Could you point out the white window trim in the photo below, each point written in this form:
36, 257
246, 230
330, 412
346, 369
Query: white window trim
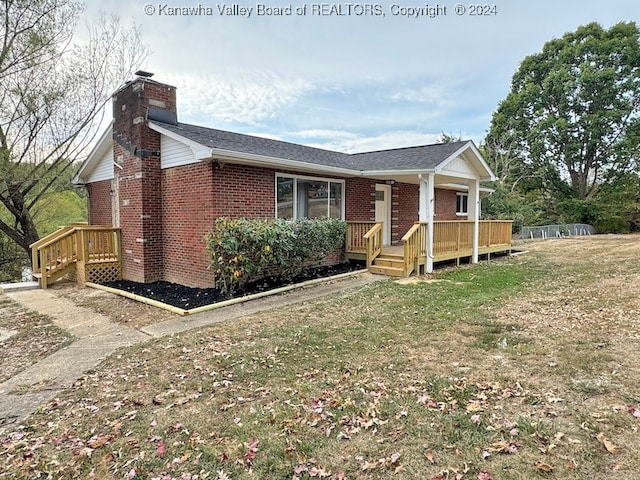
295, 191
462, 194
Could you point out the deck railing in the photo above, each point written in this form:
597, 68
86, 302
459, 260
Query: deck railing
355, 236
495, 232
74, 247
452, 239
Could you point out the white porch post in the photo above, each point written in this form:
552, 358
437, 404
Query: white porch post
473, 208
427, 206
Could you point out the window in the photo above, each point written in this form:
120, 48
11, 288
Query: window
308, 197
462, 204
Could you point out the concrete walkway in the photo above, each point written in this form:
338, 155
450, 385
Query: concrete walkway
97, 337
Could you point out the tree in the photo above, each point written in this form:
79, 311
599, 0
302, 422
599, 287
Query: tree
572, 116
52, 94
449, 137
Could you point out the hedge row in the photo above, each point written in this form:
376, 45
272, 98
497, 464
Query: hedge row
243, 250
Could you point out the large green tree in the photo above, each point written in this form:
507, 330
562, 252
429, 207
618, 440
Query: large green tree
52, 94
571, 121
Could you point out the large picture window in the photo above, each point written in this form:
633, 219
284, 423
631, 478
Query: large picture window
309, 197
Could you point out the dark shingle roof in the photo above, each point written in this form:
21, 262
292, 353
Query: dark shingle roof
409, 158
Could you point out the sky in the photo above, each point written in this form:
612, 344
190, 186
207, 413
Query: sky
345, 76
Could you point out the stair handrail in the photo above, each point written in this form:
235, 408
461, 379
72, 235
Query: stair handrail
38, 245
374, 242
411, 245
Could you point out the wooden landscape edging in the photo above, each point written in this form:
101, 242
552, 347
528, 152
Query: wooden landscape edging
225, 303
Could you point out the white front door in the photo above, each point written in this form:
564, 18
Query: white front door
383, 211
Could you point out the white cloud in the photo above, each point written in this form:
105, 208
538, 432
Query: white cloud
320, 133
244, 97
426, 94
355, 143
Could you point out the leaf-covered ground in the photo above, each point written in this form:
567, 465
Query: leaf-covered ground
28, 337
523, 368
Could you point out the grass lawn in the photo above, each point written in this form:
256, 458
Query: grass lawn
522, 368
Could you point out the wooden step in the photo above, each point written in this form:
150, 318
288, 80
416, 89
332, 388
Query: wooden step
389, 271
389, 262
394, 256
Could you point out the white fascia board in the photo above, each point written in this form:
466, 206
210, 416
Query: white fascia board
386, 173
489, 177
274, 162
462, 188
200, 152
102, 145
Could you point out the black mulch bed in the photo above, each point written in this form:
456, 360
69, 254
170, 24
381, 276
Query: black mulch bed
188, 298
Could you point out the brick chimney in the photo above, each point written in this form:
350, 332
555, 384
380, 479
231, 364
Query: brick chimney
136, 153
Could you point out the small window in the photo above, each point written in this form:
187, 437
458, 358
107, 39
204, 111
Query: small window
462, 204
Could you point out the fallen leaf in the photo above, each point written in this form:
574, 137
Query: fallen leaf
99, 441
473, 407
161, 449
611, 448
429, 456
252, 451
317, 472
633, 411
369, 466
485, 476
544, 467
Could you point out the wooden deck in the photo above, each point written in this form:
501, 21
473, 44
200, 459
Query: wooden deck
452, 240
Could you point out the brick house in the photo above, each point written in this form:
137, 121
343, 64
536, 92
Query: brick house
164, 182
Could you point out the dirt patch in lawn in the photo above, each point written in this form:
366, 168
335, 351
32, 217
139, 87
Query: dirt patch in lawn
28, 337
119, 309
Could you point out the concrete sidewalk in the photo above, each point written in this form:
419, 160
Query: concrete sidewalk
97, 337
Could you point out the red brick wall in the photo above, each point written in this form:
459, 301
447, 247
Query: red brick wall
100, 203
244, 191
193, 196
446, 205
406, 203
187, 215
360, 198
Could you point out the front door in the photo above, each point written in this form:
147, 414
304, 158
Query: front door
383, 211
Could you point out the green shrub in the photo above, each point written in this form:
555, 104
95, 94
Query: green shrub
243, 250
